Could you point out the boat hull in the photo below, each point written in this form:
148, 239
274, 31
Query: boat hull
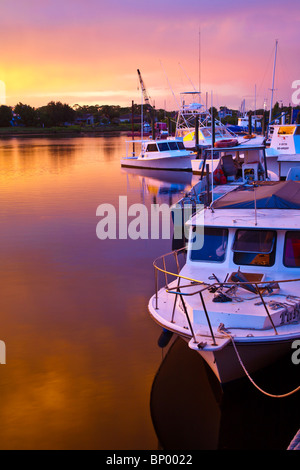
168, 163
225, 360
226, 365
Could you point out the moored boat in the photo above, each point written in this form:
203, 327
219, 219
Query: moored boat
194, 125
164, 154
236, 299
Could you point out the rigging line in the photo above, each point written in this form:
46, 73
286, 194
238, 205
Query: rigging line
187, 77
267, 69
169, 85
173, 93
282, 67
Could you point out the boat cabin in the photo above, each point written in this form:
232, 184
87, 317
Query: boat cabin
156, 148
238, 164
285, 139
284, 150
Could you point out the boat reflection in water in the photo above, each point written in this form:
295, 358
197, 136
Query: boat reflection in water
162, 185
191, 411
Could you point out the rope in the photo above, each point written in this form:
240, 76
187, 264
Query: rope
295, 443
221, 329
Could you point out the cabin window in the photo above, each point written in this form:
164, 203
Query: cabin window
254, 247
173, 145
291, 257
214, 245
181, 145
163, 146
286, 130
151, 148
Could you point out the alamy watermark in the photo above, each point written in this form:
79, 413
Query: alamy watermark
296, 93
296, 353
2, 352
136, 221
2, 93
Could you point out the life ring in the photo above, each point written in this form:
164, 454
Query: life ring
249, 136
219, 177
226, 143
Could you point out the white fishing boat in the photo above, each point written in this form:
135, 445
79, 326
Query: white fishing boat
163, 154
194, 115
284, 150
233, 295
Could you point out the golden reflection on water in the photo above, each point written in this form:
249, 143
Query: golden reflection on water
81, 350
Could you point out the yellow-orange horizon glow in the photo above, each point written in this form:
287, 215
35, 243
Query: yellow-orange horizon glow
89, 54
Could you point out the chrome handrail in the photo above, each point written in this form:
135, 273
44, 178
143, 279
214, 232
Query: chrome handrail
217, 285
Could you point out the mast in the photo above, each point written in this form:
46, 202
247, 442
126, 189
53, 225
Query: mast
199, 59
272, 89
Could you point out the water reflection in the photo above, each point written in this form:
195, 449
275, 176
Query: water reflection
160, 185
81, 347
190, 410
19, 156
73, 308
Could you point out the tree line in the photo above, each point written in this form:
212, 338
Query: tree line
60, 114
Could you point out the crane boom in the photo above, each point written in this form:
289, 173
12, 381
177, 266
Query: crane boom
146, 97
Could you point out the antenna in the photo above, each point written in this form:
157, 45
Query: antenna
255, 206
199, 60
272, 89
212, 149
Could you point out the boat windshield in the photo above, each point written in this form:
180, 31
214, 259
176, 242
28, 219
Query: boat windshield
151, 148
214, 245
173, 145
166, 146
254, 247
286, 130
163, 146
291, 257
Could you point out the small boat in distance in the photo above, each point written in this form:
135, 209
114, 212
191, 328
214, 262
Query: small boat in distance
234, 294
163, 154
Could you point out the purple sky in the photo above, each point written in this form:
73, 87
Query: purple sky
89, 51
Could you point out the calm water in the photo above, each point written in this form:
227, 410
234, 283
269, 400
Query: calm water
81, 349
83, 366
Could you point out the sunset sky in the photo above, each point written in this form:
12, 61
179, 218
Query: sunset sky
88, 52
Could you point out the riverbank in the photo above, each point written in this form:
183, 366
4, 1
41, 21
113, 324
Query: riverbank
67, 131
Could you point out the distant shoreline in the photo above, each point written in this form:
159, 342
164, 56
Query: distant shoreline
72, 131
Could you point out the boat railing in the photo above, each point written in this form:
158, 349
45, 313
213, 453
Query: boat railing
261, 288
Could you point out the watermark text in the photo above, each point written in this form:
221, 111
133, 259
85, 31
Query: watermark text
296, 353
296, 93
137, 221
